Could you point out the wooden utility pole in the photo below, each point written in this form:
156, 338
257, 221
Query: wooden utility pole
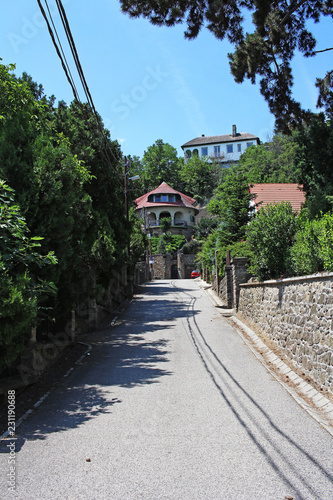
125, 186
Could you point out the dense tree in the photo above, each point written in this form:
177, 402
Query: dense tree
20, 278
68, 179
231, 206
160, 164
315, 161
280, 28
270, 237
199, 177
274, 161
107, 229
205, 226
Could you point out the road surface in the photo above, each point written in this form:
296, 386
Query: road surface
171, 404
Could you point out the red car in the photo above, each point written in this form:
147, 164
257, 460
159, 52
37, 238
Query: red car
195, 274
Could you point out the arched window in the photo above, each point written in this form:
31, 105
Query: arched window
195, 152
188, 153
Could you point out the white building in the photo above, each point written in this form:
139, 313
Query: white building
225, 149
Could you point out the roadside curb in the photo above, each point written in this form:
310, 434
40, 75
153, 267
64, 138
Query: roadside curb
320, 408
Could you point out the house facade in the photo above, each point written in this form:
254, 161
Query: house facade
225, 149
166, 202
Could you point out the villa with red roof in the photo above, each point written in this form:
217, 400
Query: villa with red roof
164, 201
265, 194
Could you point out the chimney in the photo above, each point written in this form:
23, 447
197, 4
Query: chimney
234, 131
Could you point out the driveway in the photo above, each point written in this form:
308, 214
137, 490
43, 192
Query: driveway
171, 404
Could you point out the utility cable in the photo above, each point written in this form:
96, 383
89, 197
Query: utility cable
105, 147
76, 94
57, 49
82, 78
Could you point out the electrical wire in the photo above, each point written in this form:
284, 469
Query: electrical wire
68, 76
76, 94
106, 150
71, 42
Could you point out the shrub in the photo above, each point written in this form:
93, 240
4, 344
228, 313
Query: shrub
325, 238
305, 253
192, 247
167, 243
312, 250
270, 237
19, 283
238, 249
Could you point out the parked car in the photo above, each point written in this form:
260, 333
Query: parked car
195, 274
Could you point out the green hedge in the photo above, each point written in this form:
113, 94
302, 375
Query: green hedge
167, 243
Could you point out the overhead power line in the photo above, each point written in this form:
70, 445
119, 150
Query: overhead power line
59, 51
106, 150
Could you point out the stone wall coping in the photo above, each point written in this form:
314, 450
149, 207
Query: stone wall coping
239, 259
311, 277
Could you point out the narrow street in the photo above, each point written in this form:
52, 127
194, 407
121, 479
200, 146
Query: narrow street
171, 404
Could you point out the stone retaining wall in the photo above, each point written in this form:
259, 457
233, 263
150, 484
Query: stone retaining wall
297, 314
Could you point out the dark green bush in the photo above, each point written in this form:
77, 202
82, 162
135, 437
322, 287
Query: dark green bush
167, 243
304, 253
192, 247
270, 237
19, 283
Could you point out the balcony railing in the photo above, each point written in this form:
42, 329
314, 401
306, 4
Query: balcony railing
181, 223
217, 155
176, 223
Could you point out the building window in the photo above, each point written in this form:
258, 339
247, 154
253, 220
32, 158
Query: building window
157, 198
249, 144
195, 152
204, 151
230, 148
239, 148
172, 198
164, 197
217, 151
192, 218
188, 153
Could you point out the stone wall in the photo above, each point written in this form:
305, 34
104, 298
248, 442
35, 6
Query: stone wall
186, 264
162, 266
228, 287
297, 314
141, 272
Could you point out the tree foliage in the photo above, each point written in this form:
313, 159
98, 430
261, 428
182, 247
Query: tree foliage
167, 243
20, 277
270, 237
280, 28
199, 178
68, 180
160, 164
274, 161
231, 206
315, 161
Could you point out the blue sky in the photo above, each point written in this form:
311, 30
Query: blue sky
148, 82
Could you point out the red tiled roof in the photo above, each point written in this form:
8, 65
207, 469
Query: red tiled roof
276, 193
164, 188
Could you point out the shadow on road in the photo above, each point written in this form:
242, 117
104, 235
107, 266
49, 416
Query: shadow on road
131, 353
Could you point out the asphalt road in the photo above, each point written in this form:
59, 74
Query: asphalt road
171, 404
